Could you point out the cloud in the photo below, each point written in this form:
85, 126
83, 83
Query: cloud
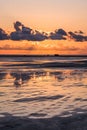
59, 34
78, 36
3, 35
79, 32
17, 26
25, 33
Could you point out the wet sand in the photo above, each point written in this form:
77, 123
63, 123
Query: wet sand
67, 94
74, 64
76, 122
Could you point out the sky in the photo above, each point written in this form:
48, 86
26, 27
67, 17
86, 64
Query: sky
43, 26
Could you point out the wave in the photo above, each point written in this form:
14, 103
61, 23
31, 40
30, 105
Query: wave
76, 64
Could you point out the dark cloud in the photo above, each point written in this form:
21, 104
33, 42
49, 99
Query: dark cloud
78, 37
16, 36
37, 36
17, 26
79, 32
26, 30
59, 34
25, 33
3, 35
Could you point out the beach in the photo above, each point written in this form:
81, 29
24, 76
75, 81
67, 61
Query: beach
77, 122
43, 93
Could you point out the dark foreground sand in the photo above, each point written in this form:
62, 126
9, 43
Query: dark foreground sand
77, 122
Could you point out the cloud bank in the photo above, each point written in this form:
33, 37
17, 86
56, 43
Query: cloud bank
26, 33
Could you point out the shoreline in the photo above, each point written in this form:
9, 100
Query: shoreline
25, 55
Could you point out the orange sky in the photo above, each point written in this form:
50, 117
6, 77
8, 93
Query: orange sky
44, 47
45, 15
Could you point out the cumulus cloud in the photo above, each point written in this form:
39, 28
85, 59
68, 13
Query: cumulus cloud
59, 34
78, 36
25, 33
3, 35
17, 26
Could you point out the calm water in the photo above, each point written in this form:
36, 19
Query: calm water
28, 89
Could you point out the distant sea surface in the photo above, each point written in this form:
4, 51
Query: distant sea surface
43, 87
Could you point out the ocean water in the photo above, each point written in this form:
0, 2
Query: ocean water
43, 87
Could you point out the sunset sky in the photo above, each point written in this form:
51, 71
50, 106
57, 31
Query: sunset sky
61, 26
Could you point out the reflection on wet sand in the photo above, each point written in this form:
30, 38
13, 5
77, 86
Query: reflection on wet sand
20, 78
51, 92
36, 94
23, 77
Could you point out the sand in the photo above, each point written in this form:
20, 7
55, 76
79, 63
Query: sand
76, 122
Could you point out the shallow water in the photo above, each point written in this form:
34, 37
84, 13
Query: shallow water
42, 92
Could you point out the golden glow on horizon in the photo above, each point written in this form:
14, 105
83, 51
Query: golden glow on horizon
44, 47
